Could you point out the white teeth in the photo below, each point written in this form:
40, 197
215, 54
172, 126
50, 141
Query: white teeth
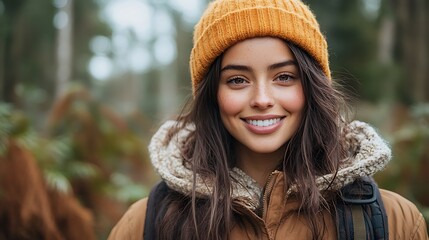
263, 123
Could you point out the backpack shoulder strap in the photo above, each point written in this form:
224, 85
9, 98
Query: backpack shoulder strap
360, 212
155, 196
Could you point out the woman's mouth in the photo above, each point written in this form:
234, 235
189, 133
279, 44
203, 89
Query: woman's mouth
263, 123
263, 126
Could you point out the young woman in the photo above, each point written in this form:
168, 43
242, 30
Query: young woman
264, 148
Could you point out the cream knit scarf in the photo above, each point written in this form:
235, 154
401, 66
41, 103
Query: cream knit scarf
370, 155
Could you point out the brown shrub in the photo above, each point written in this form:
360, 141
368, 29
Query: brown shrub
29, 211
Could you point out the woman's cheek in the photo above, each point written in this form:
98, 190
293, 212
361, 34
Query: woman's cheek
293, 100
230, 103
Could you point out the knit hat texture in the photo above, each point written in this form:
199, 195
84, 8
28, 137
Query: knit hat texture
227, 22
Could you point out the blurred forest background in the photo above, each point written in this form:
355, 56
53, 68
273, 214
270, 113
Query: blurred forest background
85, 83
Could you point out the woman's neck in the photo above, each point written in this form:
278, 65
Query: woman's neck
258, 165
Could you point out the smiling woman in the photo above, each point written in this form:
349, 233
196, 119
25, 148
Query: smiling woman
261, 102
263, 150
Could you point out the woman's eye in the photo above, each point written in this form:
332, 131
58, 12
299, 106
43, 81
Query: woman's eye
284, 78
237, 81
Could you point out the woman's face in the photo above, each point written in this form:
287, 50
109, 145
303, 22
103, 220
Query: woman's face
260, 95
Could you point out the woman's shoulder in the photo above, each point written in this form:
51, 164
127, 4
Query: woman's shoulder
131, 225
404, 219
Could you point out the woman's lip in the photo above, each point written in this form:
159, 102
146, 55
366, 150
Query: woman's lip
262, 117
264, 129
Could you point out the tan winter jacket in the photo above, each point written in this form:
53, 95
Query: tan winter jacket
370, 154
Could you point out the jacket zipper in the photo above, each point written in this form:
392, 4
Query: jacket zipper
267, 190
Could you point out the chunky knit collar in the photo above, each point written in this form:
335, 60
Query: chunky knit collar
370, 154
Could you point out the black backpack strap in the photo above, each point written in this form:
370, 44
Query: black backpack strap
360, 212
155, 196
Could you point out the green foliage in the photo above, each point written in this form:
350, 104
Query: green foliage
55, 158
57, 181
407, 172
128, 190
416, 130
6, 126
93, 143
52, 154
15, 126
85, 149
62, 157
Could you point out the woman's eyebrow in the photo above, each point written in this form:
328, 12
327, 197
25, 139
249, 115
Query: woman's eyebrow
282, 64
236, 67
249, 69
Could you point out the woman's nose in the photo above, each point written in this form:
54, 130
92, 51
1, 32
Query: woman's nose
262, 97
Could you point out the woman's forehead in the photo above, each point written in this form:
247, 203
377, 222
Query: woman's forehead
256, 51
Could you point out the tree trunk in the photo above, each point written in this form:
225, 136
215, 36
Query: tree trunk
10, 72
412, 23
9, 60
64, 51
421, 86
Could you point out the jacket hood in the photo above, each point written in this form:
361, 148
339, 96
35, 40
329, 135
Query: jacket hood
369, 153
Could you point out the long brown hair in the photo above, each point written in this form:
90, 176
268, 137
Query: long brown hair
313, 151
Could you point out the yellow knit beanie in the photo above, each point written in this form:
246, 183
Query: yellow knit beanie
226, 22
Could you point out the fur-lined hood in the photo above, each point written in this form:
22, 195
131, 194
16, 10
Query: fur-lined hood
370, 154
